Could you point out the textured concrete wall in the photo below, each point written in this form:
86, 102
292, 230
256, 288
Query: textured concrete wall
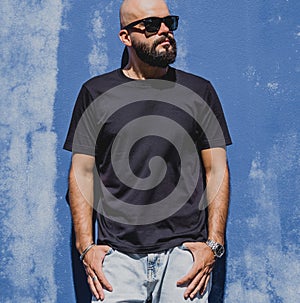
249, 50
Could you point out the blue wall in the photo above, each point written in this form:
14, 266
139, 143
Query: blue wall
249, 50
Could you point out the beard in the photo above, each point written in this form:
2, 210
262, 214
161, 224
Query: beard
149, 54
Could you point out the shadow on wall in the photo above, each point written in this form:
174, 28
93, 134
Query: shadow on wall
81, 287
219, 276
82, 290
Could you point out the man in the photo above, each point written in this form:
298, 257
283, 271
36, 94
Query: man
137, 258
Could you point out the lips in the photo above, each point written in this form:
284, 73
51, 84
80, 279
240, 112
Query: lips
165, 42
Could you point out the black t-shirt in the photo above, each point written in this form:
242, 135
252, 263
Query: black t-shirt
146, 137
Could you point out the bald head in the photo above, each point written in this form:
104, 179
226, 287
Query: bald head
132, 10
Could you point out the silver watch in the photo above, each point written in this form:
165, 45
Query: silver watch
217, 248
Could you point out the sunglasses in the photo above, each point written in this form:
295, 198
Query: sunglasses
153, 24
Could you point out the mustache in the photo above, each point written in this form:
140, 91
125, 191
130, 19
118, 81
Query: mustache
163, 39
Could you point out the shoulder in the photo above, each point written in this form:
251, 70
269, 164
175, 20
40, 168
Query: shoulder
194, 82
183, 76
100, 84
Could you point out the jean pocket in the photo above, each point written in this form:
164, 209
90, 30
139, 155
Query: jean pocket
183, 247
109, 252
185, 250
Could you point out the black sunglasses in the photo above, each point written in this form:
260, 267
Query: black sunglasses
153, 24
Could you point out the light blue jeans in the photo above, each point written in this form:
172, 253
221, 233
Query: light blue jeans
145, 278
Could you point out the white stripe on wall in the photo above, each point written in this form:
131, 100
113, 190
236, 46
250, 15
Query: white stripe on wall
98, 57
28, 70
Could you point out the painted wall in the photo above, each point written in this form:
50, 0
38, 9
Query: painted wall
249, 50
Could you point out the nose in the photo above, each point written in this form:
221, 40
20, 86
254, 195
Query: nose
163, 29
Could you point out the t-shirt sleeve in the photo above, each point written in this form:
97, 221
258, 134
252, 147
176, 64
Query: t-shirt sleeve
82, 133
214, 131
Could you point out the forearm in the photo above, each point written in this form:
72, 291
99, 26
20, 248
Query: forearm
218, 191
81, 199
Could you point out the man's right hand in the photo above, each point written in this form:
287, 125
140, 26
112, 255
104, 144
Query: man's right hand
92, 262
81, 193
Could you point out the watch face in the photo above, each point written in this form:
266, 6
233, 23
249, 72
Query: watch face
219, 250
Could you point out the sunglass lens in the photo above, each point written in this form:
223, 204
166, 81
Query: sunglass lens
171, 22
153, 25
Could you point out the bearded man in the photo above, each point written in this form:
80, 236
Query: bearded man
146, 251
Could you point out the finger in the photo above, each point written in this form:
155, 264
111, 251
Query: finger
200, 287
101, 279
93, 288
193, 285
95, 284
100, 287
189, 276
205, 284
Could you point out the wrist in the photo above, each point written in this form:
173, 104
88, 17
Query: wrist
216, 247
86, 250
83, 244
216, 238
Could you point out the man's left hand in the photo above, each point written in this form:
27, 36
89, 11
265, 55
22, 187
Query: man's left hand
198, 277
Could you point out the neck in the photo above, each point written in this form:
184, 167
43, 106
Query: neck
139, 70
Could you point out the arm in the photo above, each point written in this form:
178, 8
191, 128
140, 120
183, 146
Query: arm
81, 199
217, 187
81, 188
217, 192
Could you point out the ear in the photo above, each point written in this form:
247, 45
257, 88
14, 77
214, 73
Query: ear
125, 37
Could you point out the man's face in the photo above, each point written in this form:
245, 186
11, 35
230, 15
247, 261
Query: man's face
158, 48
158, 52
